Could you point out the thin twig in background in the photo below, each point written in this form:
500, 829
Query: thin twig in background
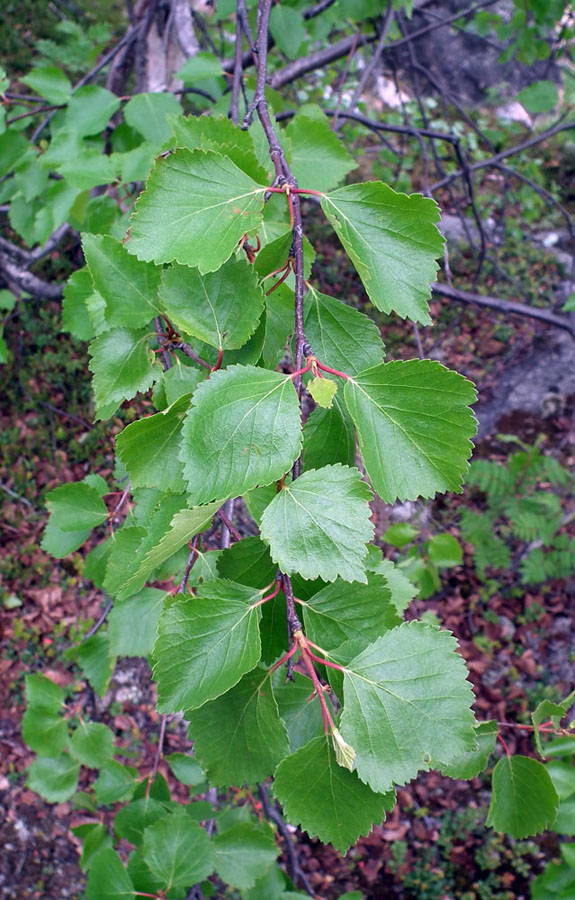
296, 873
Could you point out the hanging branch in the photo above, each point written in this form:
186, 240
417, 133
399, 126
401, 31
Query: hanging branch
504, 306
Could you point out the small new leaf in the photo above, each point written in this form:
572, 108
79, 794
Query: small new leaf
344, 752
323, 390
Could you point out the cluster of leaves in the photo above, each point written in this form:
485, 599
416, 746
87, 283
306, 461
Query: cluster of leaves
523, 498
531, 32
239, 430
424, 558
172, 849
175, 302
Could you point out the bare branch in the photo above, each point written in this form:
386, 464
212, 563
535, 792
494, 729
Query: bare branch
504, 306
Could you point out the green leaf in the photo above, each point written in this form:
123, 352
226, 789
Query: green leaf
133, 623
393, 242
243, 429
142, 878
565, 821
45, 732
328, 801
220, 134
328, 437
124, 546
90, 109
206, 644
49, 82
207, 307
195, 209
559, 747
128, 286
415, 413
92, 744
54, 779
76, 506
89, 169
340, 336
135, 164
13, 146
132, 820
149, 448
319, 525
123, 365
181, 379
243, 854
287, 28
60, 543
342, 612
539, 97
474, 762
445, 551
240, 737
323, 390
7, 300
407, 702
186, 769
400, 534
43, 694
318, 158
247, 562
75, 317
161, 544
94, 838
523, 799
178, 851
147, 114
554, 883
200, 67
114, 783
563, 777
547, 710
108, 879
93, 657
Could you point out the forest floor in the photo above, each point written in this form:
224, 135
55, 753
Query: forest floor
519, 644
